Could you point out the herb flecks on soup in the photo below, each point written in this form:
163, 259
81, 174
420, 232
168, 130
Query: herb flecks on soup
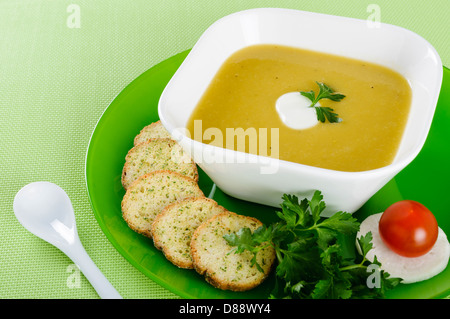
244, 93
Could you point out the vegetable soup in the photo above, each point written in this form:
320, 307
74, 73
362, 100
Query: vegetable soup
244, 92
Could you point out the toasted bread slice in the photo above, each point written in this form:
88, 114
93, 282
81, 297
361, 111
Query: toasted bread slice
172, 229
149, 194
157, 154
213, 257
153, 130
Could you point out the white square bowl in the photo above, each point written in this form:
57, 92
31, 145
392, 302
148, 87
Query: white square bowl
264, 180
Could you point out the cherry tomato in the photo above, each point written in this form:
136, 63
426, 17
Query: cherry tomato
408, 228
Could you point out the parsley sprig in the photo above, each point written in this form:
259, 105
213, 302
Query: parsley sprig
325, 92
311, 261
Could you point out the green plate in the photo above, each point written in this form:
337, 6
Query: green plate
425, 180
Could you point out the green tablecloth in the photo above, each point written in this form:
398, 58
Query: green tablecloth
58, 76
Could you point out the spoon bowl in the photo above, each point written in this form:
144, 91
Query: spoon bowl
45, 210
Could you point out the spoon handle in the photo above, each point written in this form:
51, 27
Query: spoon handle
102, 286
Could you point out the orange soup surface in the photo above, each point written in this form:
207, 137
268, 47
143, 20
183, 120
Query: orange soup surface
244, 92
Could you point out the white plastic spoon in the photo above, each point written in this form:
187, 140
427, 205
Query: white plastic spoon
46, 211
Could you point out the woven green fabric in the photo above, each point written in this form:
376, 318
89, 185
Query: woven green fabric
56, 79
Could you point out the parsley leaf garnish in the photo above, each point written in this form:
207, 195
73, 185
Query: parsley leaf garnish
311, 261
325, 92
